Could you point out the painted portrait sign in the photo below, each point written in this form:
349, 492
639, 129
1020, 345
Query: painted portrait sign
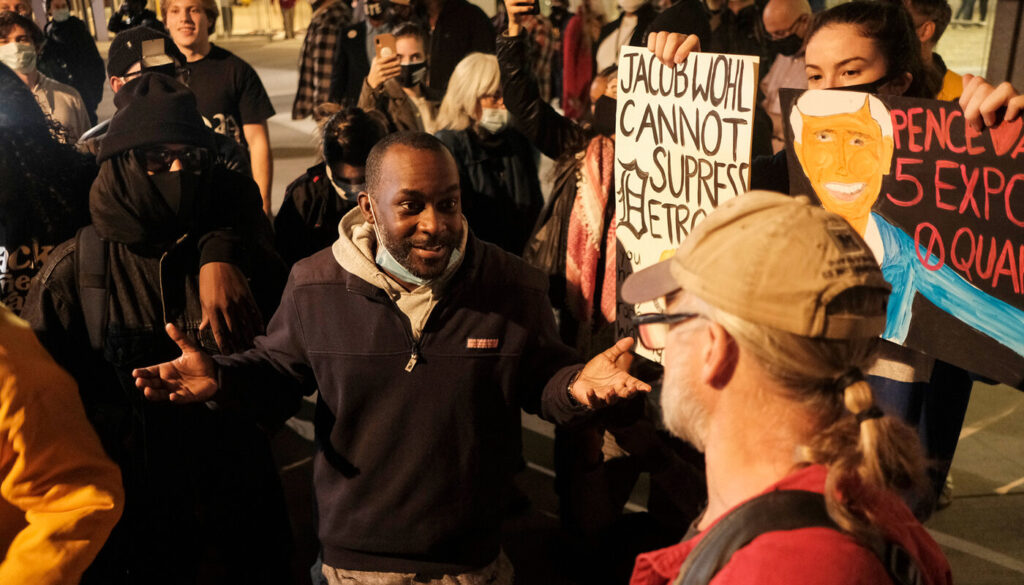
682, 147
940, 204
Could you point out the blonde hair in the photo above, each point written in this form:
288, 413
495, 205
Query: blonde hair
859, 445
474, 77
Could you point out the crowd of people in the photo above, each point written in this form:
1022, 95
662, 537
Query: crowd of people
158, 323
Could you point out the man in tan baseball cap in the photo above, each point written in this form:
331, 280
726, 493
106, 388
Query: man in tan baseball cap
773, 307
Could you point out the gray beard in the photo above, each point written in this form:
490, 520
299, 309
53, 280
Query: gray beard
684, 416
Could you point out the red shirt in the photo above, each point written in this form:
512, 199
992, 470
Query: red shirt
815, 556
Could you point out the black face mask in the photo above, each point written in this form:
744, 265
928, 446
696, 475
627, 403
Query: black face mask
412, 74
604, 116
788, 46
178, 189
870, 87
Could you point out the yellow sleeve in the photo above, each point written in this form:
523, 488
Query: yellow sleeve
952, 87
56, 479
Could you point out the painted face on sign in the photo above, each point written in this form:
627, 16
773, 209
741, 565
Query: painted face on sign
845, 157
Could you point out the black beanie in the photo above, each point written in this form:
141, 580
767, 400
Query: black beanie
154, 109
128, 48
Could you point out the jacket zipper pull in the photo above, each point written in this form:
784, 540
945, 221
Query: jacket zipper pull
412, 359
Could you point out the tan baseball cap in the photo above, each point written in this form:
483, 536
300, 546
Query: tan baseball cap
774, 260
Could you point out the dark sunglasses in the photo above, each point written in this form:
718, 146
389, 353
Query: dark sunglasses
653, 328
158, 159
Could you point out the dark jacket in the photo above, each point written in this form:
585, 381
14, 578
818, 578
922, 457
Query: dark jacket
308, 219
190, 470
462, 28
501, 194
563, 140
122, 20
645, 15
413, 453
350, 65
70, 56
688, 17
742, 34
552, 133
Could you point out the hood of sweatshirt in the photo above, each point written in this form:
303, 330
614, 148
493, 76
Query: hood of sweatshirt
355, 251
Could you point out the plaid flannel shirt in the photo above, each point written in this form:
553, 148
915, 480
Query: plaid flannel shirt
317, 59
540, 49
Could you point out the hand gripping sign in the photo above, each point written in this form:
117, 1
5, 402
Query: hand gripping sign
941, 206
682, 147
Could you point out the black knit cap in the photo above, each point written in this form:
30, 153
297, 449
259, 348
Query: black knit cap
154, 109
128, 48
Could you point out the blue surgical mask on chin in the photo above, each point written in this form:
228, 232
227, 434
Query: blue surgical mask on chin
387, 261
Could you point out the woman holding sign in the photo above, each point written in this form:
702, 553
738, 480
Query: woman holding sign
871, 47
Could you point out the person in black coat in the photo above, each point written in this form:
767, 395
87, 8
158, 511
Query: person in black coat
315, 202
70, 56
457, 28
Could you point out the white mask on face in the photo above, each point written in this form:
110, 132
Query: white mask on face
19, 57
494, 120
60, 15
631, 5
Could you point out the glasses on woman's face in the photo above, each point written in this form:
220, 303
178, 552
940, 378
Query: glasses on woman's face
160, 159
653, 327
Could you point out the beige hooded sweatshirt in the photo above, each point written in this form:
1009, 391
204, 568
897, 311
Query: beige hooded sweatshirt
355, 251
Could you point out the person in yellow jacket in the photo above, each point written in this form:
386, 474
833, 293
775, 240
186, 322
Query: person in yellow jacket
60, 495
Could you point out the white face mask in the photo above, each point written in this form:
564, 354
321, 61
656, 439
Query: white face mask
494, 120
60, 15
631, 5
19, 57
347, 191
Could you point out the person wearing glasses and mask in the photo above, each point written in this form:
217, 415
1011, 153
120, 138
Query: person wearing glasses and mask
228, 305
501, 195
156, 201
785, 23
396, 84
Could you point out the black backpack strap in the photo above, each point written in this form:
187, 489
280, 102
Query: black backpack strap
780, 510
91, 268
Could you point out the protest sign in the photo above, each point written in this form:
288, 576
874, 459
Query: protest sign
940, 204
682, 147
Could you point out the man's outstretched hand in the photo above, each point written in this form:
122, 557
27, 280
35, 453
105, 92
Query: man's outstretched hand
190, 378
605, 380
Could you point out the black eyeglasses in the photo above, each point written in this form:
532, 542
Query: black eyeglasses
653, 327
182, 74
159, 159
781, 34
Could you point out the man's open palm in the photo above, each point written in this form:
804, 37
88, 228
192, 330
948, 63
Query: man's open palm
605, 380
190, 378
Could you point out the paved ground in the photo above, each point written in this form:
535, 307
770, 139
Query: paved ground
982, 532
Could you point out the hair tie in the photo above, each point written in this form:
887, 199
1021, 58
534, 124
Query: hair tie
847, 379
869, 413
